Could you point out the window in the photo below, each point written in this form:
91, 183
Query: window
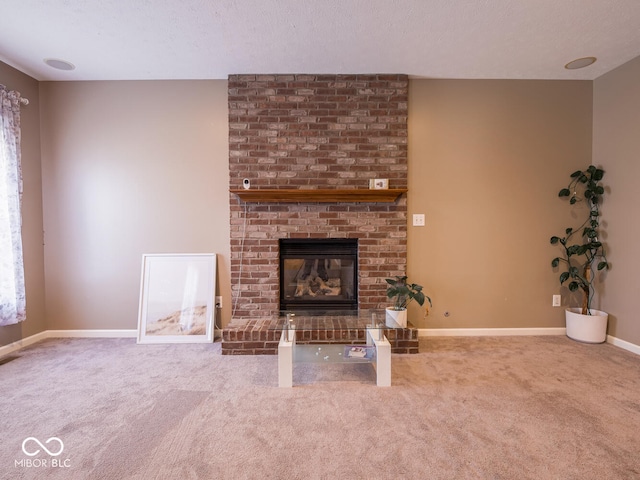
12, 292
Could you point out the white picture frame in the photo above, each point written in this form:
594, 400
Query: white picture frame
177, 294
379, 183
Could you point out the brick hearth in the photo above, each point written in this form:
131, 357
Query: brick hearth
259, 337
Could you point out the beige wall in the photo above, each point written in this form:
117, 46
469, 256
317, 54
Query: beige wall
33, 250
486, 161
142, 167
129, 168
616, 147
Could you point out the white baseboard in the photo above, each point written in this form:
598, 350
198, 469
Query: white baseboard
25, 342
632, 347
38, 337
502, 332
488, 332
92, 333
422, 332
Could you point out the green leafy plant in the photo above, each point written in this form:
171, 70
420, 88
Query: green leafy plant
403, 293
581, 246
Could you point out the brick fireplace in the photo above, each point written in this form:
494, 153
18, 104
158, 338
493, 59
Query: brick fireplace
312, 133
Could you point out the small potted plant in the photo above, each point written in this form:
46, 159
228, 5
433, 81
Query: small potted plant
402, 294
583, 256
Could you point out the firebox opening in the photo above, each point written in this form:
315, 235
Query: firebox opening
319, 274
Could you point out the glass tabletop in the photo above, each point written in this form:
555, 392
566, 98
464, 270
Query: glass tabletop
334, 320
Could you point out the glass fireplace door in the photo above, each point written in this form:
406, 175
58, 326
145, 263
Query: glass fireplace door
318, 274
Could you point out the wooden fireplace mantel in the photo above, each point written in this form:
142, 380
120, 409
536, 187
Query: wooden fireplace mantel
299, 195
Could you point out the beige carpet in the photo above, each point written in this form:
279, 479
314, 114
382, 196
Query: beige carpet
464, 408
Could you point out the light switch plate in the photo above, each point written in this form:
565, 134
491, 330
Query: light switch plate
418, 219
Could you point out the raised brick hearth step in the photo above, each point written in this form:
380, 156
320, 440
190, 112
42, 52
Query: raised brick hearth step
259, 337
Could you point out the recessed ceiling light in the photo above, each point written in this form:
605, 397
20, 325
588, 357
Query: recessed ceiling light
59, 64
580, 63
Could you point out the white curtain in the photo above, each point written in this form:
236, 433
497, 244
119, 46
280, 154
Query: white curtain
12, 294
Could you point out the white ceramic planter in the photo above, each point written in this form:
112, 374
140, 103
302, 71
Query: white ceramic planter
586, 328
397, 316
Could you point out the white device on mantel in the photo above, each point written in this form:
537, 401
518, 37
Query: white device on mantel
246, 184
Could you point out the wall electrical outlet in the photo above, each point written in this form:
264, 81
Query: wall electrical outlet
418, 219
219, 302
557, 300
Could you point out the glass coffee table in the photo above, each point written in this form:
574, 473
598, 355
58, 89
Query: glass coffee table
334, 337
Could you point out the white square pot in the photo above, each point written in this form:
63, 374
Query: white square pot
398, 317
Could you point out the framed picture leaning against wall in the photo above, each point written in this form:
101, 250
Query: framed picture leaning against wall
177, 294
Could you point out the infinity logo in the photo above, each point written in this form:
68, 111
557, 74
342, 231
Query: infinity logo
53, 454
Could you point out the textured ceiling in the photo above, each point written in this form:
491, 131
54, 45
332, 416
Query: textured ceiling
208, 39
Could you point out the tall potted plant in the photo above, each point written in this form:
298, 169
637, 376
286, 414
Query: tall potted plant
583, 255
402, 294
